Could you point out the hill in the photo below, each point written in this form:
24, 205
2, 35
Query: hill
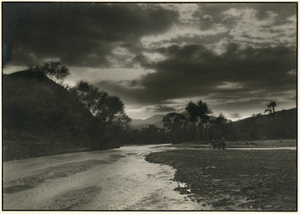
41, 117
279, 125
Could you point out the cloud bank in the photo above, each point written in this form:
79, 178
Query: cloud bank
158, 56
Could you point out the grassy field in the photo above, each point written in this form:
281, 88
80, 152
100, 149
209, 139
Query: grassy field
235, 180
243, 144
262, 143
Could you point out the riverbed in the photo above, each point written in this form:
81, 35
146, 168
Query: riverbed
115, 179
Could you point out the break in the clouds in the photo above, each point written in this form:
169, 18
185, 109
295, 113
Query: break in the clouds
156, 57
160, 108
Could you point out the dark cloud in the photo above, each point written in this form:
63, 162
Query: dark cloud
81, 34
196, 71
143, 61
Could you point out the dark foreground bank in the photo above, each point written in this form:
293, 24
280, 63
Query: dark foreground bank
235, 180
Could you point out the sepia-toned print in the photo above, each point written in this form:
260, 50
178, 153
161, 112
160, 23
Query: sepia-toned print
149, 106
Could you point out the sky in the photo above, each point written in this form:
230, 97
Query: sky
157, 57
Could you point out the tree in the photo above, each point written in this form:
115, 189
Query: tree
53, 70
198, 115
220, 120
175, 123
151, 134
219, 127
198, 112
109, 109
271, 107
89, 95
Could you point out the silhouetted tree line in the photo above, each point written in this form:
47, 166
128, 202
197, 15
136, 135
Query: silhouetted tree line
199, 127
108, 112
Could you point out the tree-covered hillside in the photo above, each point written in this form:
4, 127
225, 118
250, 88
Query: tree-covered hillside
41, 117
277, 125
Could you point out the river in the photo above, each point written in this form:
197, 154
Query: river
115, 179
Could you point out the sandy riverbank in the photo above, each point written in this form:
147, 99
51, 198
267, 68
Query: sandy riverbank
235, 179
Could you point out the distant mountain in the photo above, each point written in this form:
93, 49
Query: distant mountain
137, 122
154, 120
159, 124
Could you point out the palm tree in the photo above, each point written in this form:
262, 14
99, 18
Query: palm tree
271, 107
198, 115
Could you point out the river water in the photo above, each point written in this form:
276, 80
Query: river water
116, 179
